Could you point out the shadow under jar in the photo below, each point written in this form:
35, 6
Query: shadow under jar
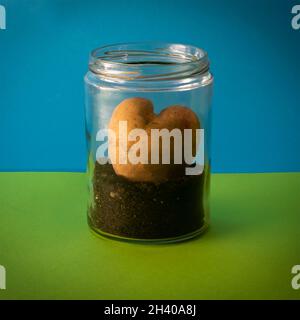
150, 182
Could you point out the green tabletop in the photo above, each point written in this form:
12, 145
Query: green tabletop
248, 252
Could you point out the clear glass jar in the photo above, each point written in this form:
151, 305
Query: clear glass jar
155, 88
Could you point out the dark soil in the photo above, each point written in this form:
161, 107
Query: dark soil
146, 210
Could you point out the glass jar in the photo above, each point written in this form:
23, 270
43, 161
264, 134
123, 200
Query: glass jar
148, 131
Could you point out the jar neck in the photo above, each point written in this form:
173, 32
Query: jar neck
147, 64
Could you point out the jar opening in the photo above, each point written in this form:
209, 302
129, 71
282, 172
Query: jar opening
148, 62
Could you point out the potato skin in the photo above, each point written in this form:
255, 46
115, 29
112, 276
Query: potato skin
139, 113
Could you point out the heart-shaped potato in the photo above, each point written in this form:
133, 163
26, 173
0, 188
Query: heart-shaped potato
139, 114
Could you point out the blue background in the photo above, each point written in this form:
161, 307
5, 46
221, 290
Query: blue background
255, 57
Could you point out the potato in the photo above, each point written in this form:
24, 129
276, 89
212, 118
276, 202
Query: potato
139, 114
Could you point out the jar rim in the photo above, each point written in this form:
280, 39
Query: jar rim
148, 61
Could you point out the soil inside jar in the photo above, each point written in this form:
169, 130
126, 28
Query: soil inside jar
145, 210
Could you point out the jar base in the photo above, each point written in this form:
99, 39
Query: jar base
181, 238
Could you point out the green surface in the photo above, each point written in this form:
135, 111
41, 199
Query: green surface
248, 252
